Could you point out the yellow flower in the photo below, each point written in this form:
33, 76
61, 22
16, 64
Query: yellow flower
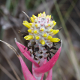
41, 29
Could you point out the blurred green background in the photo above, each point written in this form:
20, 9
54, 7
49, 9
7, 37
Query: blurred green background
67, 15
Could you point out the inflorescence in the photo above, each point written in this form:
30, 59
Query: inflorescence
41, 34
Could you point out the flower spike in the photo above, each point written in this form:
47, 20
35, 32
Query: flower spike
41, 24
41, 45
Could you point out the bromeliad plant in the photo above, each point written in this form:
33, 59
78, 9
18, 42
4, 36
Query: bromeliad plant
40, 47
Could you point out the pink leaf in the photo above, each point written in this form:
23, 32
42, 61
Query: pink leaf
38, 76
46, 67
27, 74
26, 53
49, 76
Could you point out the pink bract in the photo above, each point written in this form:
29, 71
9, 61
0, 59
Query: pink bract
26, 53
38, 71
27, 74
46, 67
49, 76
38, 76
